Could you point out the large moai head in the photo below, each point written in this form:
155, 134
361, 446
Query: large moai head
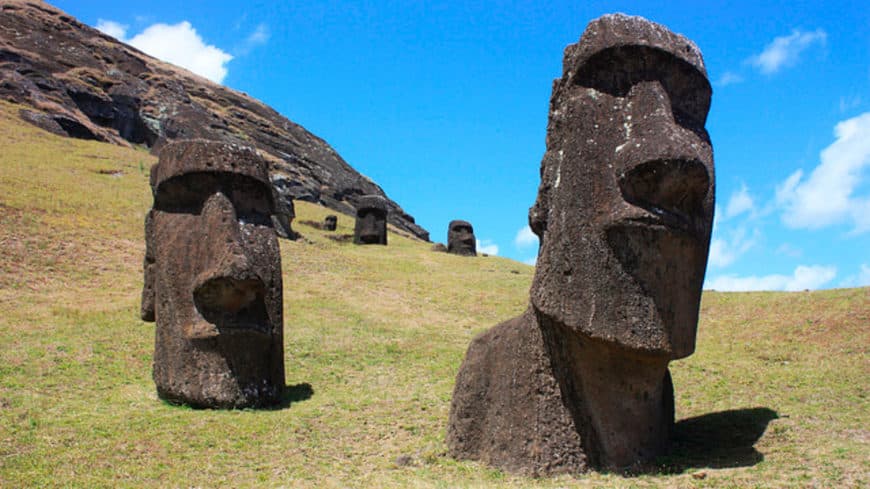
213, 277
330, 222
625, 205
460, 238
371, 220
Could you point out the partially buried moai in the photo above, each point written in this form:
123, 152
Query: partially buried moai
330, 222
371, 220
624, 212
213, 278
460, 238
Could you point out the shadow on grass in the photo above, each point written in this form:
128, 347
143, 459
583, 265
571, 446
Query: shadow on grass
291, 394
295, 393
717, 440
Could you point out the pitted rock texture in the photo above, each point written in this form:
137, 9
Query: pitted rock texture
623, 213
213, 278
85, 84
460, 238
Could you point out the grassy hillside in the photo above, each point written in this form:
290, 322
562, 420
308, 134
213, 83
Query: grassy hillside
776, 394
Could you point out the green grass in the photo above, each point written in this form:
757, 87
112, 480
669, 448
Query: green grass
775, 396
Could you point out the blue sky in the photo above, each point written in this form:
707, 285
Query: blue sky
444, 104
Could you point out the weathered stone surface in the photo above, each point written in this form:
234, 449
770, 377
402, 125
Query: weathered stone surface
460, 238
213, 277
624, 213
330, 223
85, 84
282, 220
371, 221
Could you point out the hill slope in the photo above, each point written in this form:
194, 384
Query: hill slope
775, 396
79, 82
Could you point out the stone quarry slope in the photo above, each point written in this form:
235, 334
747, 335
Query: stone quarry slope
81, 83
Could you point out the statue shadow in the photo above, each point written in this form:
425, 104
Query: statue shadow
717, 440
295, 393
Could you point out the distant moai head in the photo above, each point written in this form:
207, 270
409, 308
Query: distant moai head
282, 220
330, 222
371, 220
460, 238
213, 277
625, 205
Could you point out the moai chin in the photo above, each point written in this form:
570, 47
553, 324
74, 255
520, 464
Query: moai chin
371, 220
581, 379
213, 278
460, 238
330, 223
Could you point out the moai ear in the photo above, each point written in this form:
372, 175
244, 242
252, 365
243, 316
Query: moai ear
147, 310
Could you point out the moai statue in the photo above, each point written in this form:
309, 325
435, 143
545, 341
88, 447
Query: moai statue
282, 220
371, 220
460, 239
213, 278
330, 223
624, 212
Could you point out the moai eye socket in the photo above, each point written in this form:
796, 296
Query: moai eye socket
185, 193
616, 70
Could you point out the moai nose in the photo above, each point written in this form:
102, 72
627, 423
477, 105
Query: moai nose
229, 258
650, 100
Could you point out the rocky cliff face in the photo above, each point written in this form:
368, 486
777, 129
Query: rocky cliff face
82, 83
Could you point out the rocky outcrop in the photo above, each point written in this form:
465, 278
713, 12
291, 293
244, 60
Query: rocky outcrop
82, 83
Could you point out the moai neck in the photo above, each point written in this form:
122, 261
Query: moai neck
622, 400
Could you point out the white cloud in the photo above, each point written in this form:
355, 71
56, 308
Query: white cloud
803, 277
258, 37
525, 238
789, 250
487, 247
729, 78
849, 103
180, 44
531, 261
725, 252
785, 50
739, 203
861, 279
826, 196
111, 28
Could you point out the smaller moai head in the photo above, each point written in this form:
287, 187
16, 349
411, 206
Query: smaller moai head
330, 222
213, 277
460, 238
282, 220
371, 220
625, 205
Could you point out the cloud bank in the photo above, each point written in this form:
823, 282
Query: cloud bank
803, 277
